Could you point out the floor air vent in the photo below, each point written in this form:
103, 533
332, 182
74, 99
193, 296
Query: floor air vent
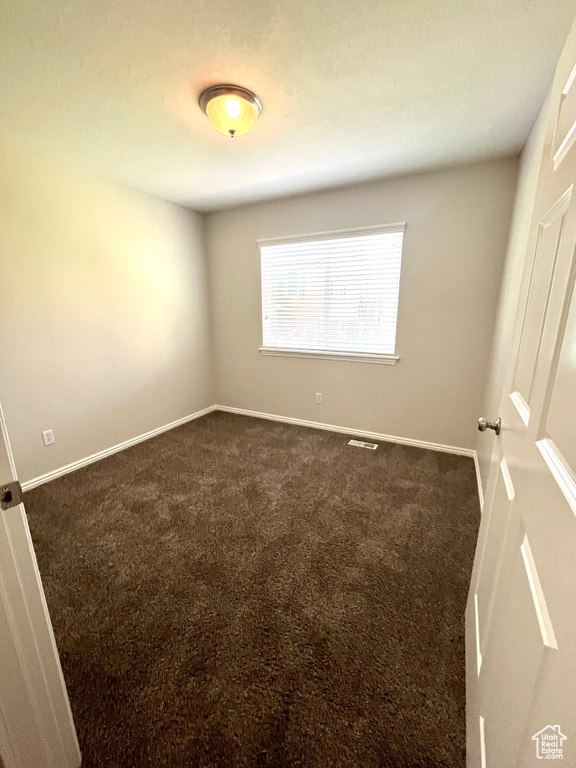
362, 444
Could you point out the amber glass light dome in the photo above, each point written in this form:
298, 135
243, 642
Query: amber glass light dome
232, 110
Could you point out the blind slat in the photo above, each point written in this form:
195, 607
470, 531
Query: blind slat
333, 294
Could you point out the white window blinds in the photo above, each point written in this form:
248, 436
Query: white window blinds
332, 292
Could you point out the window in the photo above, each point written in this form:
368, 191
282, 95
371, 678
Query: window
333, 294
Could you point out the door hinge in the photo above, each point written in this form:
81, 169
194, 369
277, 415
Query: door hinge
10, 495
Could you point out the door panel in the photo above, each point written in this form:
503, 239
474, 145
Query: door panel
565, 133
521, 617
36, 727
497, 532
542, 274
507, 698
562, 389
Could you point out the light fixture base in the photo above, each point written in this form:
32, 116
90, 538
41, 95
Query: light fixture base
229, 90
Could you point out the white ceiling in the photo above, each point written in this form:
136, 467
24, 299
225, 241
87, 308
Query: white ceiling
352, 90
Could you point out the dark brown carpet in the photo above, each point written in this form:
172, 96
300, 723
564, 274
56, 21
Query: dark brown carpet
238, 592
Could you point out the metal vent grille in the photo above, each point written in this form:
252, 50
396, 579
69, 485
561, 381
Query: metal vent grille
362, 444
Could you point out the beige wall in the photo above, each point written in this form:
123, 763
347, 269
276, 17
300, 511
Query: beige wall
510, 288
457, 229
105, 320
104, 313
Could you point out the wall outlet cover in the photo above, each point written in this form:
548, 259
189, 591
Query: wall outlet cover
48, 437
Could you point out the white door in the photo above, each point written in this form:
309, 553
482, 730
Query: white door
36, 727
521, 615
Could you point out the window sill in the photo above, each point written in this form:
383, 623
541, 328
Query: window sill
349, 357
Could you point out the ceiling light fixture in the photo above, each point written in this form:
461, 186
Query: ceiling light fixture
232, 110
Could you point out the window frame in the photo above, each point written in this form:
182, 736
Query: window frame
357, 357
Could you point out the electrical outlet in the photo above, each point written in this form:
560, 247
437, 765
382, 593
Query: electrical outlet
319, 397
48, 437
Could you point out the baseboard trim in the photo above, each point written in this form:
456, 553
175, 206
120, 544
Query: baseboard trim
351, 431
41, 479
479, 482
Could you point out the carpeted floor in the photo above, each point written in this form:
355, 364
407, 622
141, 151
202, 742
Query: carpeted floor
239, 592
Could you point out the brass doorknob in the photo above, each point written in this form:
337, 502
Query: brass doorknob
484, 424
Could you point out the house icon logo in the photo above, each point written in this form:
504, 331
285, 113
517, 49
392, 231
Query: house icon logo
549, 743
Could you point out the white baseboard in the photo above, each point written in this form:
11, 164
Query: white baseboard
479, 481
35, 482
29, 484
351, 431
